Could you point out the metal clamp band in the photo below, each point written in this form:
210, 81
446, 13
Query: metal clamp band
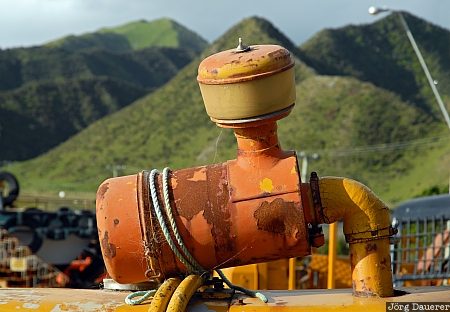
370, 235
315, 193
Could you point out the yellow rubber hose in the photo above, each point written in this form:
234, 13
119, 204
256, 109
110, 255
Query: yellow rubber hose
162, 297
184, 293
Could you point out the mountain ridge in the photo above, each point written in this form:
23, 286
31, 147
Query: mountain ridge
135, 35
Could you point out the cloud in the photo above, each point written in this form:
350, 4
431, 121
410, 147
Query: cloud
27, 22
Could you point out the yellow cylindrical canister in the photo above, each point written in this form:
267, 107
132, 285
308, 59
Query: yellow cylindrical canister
244, 84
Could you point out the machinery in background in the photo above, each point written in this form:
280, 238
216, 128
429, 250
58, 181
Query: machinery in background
43, 248
421, 253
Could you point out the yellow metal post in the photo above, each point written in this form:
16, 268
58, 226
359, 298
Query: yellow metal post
292, 264
332, 244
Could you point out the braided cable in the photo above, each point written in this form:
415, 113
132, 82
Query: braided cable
163, 225
144, 295
169, 213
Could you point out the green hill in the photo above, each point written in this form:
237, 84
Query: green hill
64, 91
104, 41
382, 54
53, 111
359, 129
148, 67
136, 35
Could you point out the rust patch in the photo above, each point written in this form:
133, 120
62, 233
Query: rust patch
109, 250
371, 247
280, 54
190, 197
116, 222
217, 212
364, 292
279, 217
102, 191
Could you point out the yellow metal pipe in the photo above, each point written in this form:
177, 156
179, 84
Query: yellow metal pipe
367, 229
292, 273
332, 250
184, 293
162, 297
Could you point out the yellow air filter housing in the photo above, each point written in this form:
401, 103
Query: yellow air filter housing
247, 82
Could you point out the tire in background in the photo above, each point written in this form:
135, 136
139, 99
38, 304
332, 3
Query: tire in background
13, 186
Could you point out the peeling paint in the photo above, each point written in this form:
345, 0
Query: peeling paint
102, 191
199, 175
33, 306
279, 217
109, 250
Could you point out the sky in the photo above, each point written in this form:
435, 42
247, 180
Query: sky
33, 22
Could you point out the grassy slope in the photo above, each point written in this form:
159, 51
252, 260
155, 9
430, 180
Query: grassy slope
61, 93
381, 53
55, 110
105, 41
347, 113
162, 32
147, 67
136, 35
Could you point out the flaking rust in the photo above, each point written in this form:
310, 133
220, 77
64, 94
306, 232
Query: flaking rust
109, 249
279, 217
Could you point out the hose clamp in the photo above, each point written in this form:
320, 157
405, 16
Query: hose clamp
315, 194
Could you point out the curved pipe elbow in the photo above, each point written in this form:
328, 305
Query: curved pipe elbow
353, 203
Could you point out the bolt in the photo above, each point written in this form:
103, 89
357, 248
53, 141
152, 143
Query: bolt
241, 47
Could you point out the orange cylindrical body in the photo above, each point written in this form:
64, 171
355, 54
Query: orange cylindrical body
242, 211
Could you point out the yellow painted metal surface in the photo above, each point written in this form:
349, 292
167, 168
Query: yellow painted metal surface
267, 275
56, 300
348, 200
332, 245
336, 300
250, 98
292, 273
367, 228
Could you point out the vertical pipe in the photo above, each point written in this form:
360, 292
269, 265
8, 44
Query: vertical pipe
292, 274
332, 244
371, 268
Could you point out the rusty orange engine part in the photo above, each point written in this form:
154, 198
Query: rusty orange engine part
252, 209
224, 220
